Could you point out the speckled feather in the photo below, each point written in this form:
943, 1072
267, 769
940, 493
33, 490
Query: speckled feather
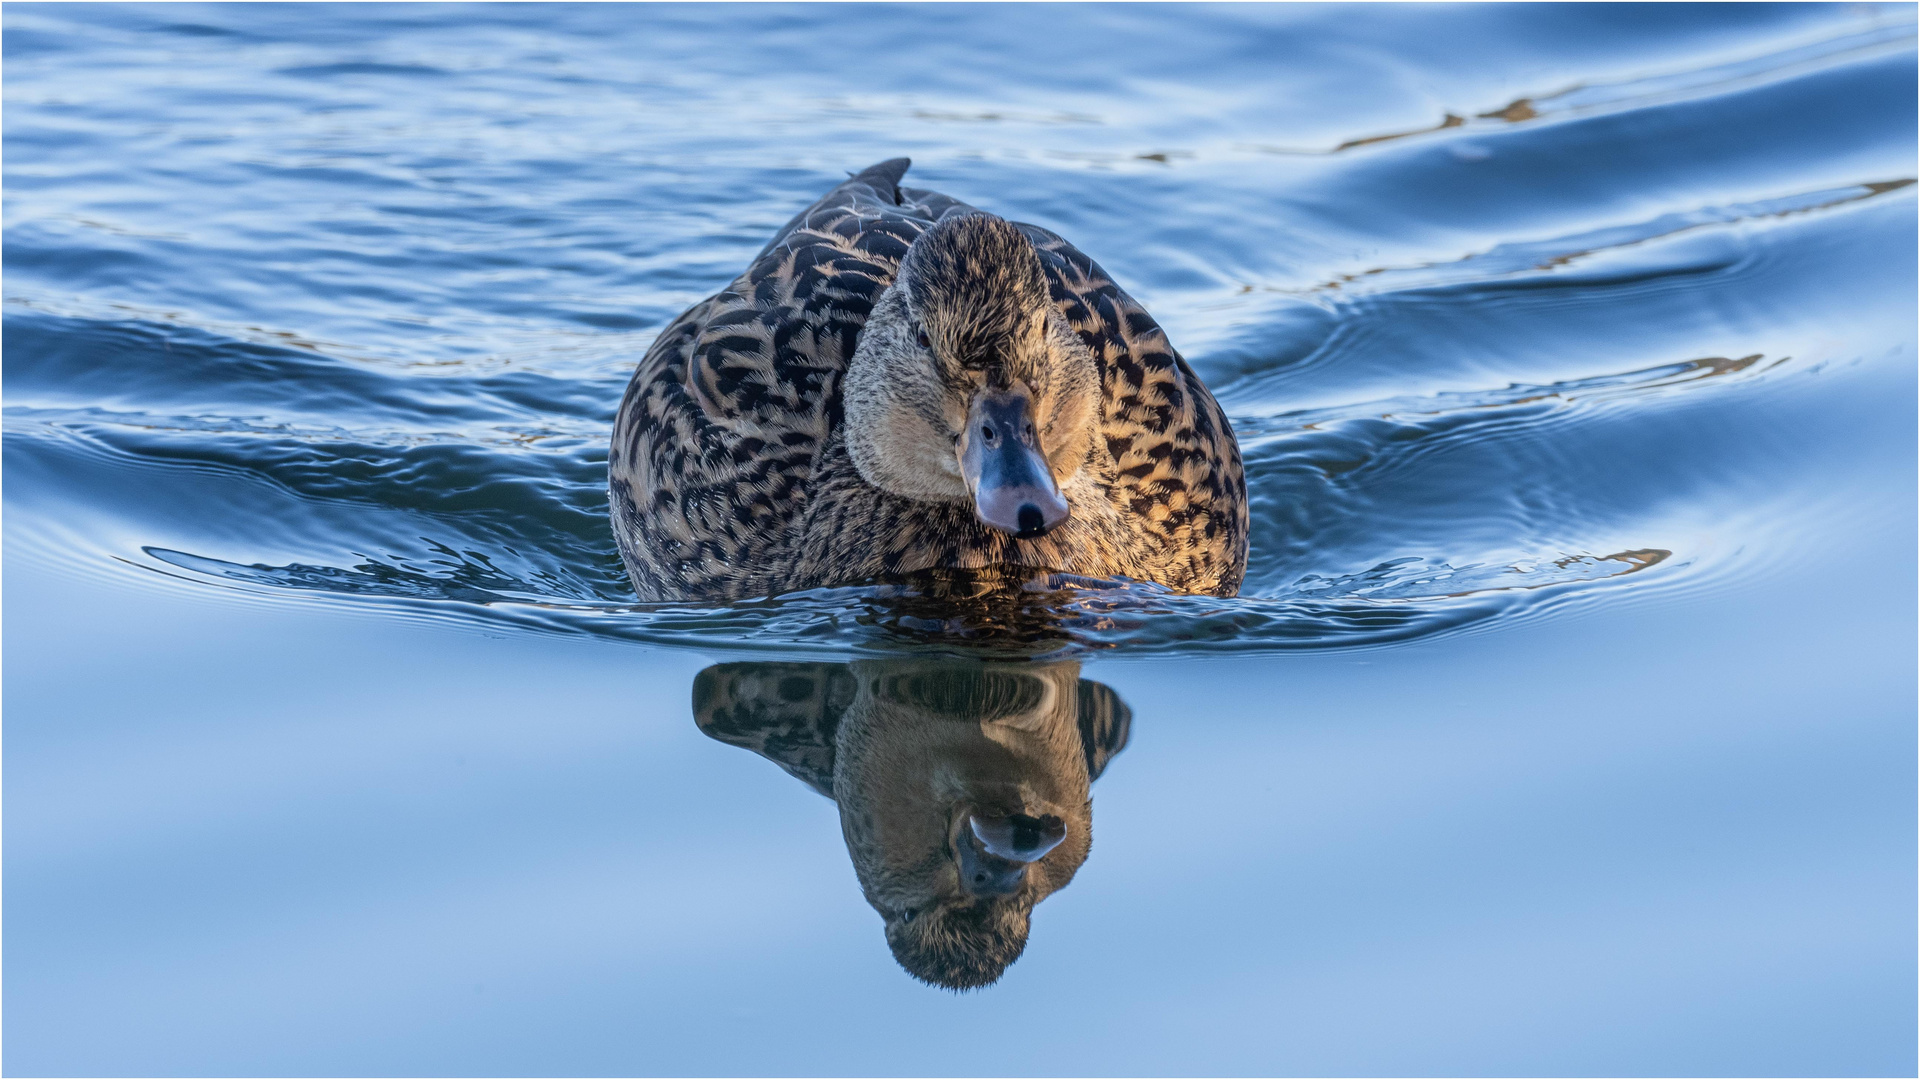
730, 478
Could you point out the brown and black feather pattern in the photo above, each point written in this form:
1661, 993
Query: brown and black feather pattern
729, 478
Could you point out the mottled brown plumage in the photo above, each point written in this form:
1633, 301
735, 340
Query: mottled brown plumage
732, 468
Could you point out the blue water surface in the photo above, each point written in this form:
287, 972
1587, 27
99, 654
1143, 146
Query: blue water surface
1565, 724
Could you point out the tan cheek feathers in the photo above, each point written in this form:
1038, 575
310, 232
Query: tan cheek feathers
1069, 441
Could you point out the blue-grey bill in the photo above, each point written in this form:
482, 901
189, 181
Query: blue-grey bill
1013, 490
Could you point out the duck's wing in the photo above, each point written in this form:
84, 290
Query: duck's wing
1177, 465
718, 431
1105, 722
786, 713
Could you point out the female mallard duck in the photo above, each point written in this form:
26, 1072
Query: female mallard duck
901, 382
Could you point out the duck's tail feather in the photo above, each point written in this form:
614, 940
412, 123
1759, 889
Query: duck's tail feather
882, 183
884, 178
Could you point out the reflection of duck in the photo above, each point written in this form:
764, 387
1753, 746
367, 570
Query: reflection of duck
962, 786
901, 382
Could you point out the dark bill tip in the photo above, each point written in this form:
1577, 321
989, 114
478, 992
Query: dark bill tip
1032, 522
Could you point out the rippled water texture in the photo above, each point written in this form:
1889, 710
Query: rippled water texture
1525, 317
345, 314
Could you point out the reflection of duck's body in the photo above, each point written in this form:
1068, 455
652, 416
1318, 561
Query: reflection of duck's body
962, 786
900, 382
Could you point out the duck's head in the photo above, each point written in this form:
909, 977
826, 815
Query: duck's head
968, 384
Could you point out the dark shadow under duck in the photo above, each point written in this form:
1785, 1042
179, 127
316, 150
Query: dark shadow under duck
901, 382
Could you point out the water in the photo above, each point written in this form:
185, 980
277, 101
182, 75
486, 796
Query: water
1563, 725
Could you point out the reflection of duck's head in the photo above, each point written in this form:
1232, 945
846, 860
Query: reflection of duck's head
963, 796
962, 787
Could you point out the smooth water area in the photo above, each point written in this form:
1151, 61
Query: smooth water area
1564, 725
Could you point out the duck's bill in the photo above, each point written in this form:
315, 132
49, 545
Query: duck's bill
994, 852
1019, 837
1005, 468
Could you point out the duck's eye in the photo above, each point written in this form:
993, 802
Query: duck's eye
924, 341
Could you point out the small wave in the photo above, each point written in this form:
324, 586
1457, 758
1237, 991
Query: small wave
1540, 256
362, 67
1519, 302
1607, 96
1003, 612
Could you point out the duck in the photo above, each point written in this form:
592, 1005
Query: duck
902, 383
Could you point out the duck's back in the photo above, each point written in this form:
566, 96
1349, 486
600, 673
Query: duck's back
735, 409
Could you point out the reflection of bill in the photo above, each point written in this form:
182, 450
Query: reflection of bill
962, 786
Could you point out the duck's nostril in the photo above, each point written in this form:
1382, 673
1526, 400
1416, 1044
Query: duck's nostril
1031, 521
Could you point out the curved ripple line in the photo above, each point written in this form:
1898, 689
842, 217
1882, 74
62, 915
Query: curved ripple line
1516, 258
1047, 615
1583, 99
